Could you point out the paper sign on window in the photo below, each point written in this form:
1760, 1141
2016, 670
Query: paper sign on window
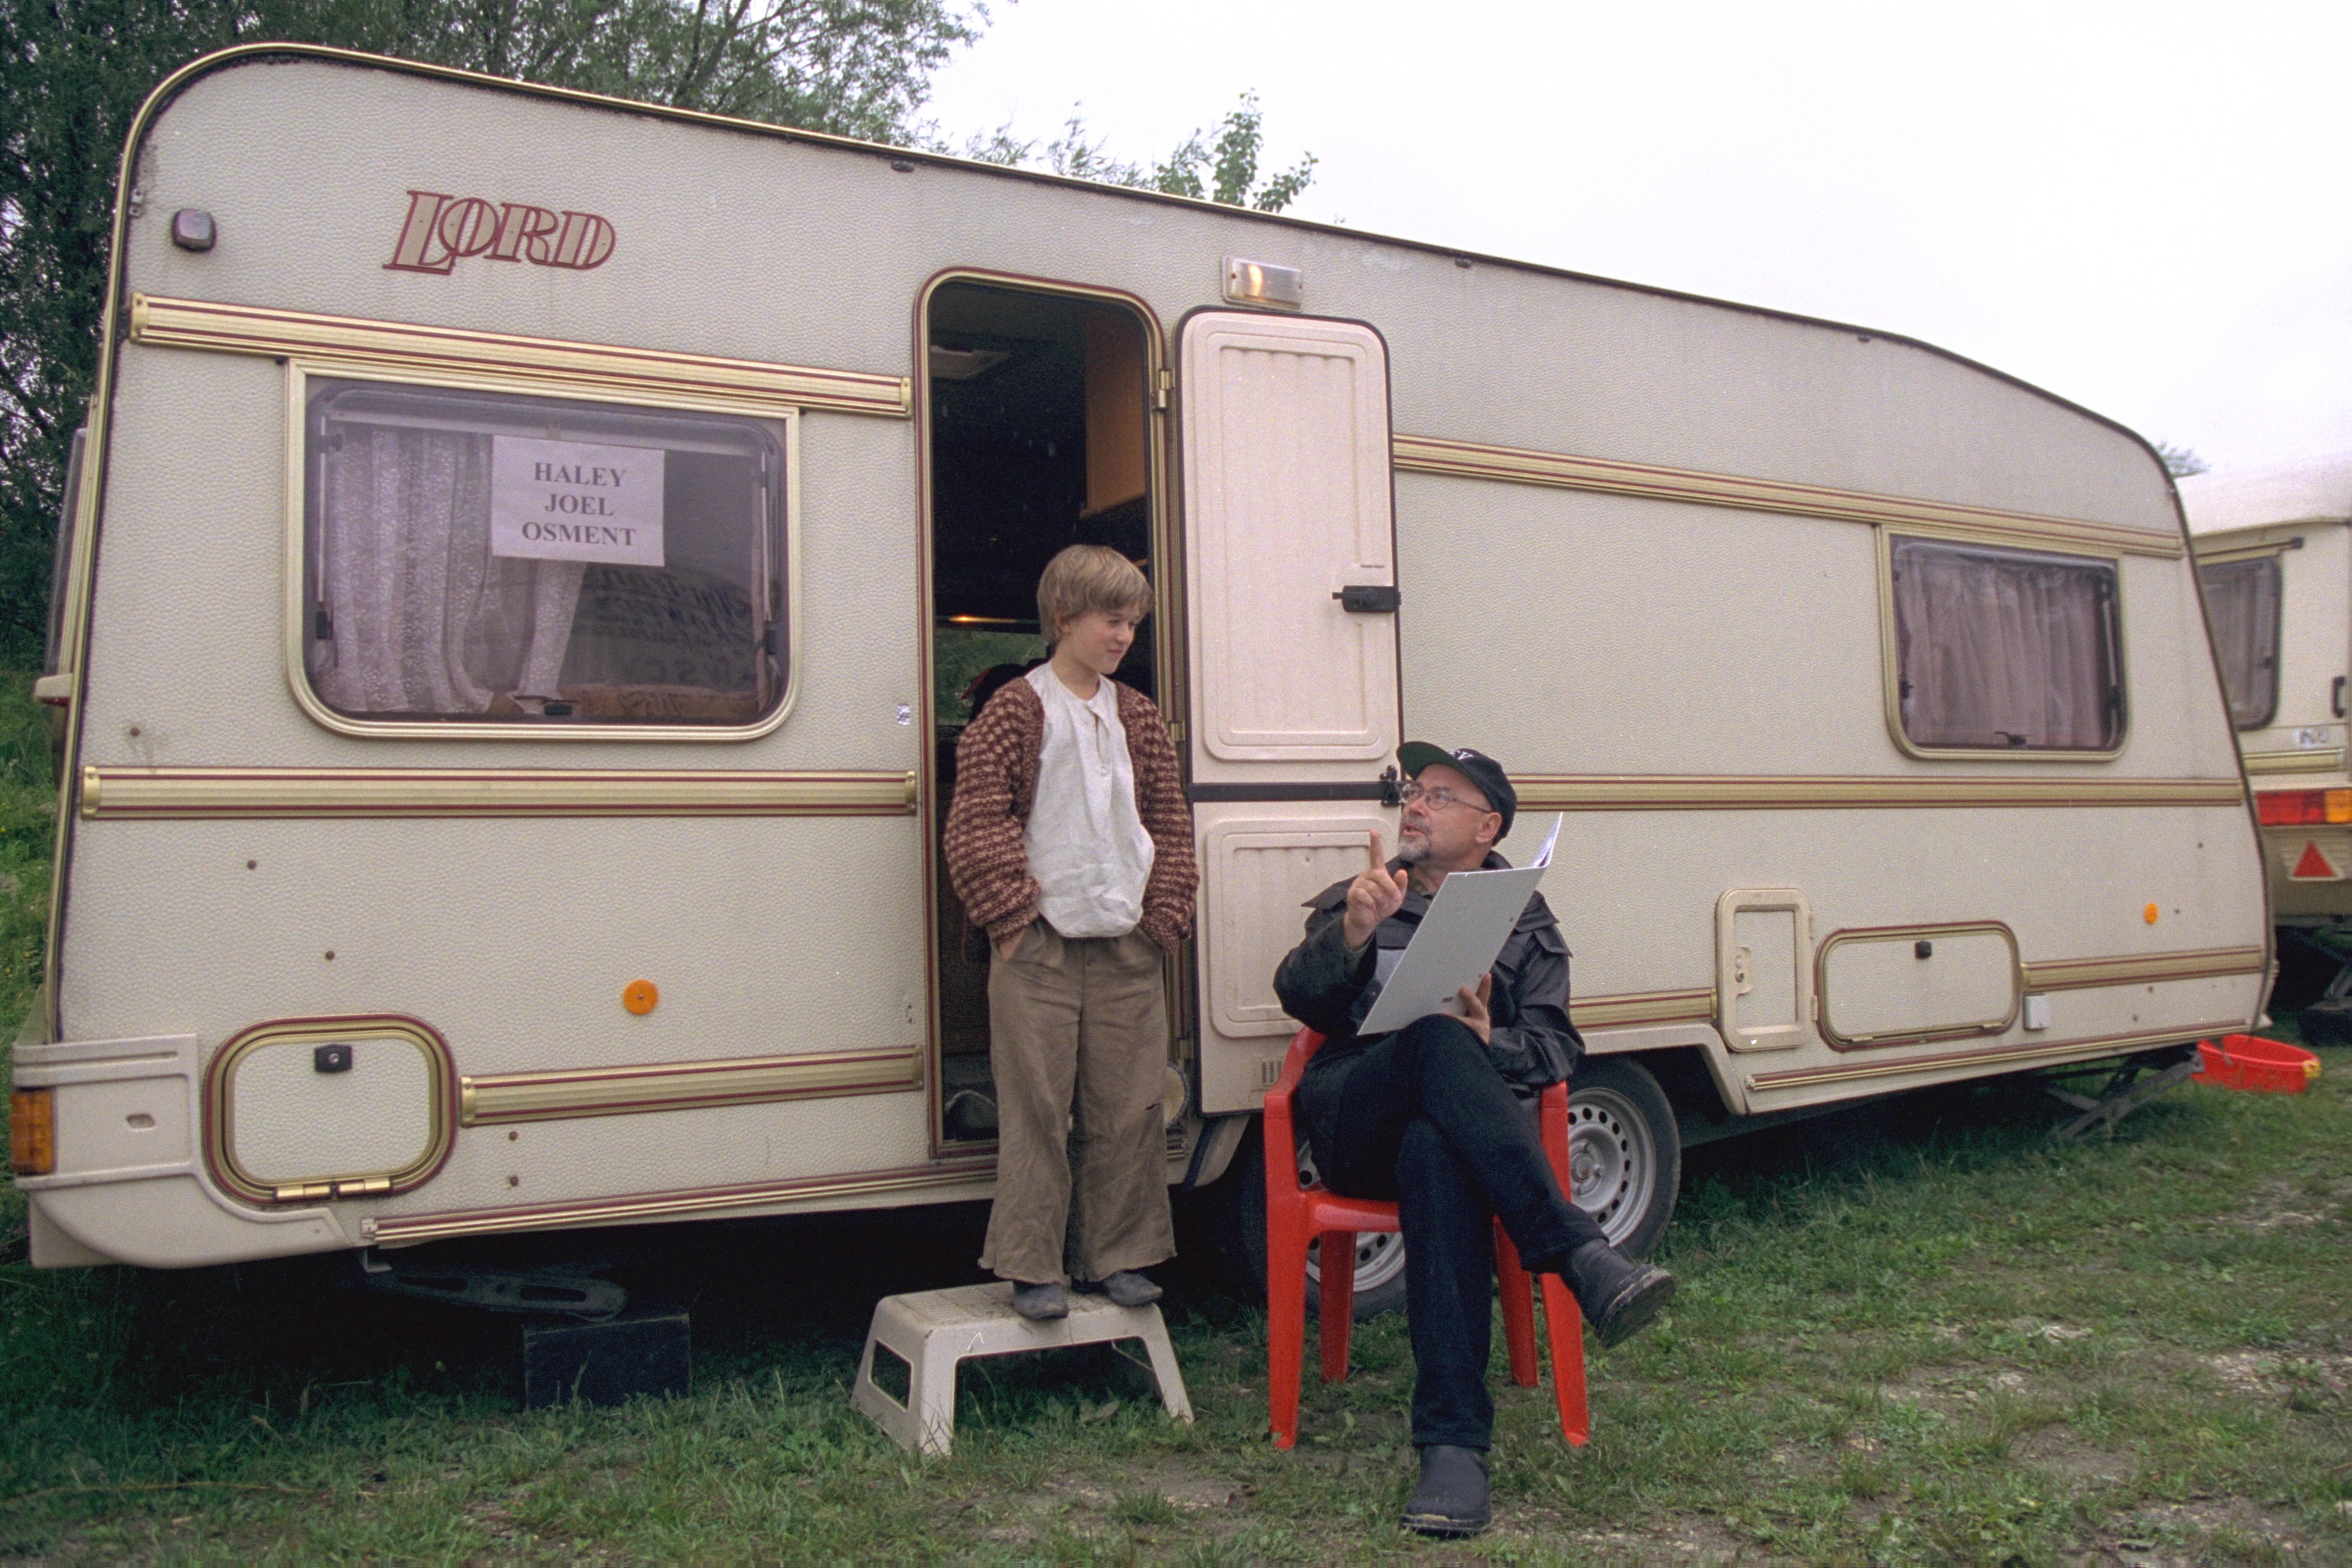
571, 501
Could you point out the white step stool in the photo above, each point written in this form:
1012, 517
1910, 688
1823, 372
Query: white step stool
932, 1330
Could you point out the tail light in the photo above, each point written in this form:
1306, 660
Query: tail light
2303, 808
33, 1131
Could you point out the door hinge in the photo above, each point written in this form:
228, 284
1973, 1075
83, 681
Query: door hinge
1176, 733
1369, 599
1160, 393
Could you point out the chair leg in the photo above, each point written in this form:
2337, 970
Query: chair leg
1286, 1326
1518, 1290
1336, 1315
1566, 1326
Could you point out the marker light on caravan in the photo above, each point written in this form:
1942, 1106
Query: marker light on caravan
2303, 808
33, 1132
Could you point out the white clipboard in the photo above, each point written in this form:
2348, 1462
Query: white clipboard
1459, 938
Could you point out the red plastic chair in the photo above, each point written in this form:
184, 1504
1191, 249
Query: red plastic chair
1296, 1215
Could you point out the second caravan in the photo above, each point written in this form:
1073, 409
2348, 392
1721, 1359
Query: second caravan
421, 879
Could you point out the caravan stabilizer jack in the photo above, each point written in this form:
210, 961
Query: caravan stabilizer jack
560, 1291
2125, 1090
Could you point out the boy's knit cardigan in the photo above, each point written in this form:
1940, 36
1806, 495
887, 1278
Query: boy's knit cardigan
996, 781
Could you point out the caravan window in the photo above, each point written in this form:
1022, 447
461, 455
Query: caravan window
2005, 649
2242, 600
513, 560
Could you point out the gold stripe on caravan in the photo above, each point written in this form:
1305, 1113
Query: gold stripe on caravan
735, 384
1644, 1007
1470, 459
408, 1230
2330, 761
1697, 792
495, 1099
2081, 973
113, 793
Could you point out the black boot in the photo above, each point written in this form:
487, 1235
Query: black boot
1619, 1296
1452, 1497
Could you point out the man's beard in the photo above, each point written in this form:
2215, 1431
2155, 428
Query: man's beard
1412, 851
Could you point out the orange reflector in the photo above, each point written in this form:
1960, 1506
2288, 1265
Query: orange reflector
640, 996
2149, 914
33, 1131
2312, 866
2339, 806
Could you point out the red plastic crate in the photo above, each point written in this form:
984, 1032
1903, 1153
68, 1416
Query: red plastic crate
2252, 1063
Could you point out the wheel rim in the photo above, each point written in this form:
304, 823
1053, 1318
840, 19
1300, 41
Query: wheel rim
1612, 1161
1380, 1254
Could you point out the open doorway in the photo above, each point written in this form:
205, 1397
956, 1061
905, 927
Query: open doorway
1040, 438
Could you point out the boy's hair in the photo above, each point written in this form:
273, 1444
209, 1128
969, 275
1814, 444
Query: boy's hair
1088, 577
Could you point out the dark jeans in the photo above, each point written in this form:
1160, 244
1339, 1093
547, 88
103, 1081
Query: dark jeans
1422, 1118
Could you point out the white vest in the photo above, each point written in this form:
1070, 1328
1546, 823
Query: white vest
1086, 844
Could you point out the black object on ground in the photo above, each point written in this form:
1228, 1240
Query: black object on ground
648, 1350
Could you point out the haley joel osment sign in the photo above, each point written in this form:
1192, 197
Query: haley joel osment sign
572, 500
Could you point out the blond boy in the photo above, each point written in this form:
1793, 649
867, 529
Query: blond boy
1070, 844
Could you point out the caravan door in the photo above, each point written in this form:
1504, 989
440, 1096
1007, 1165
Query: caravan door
1291, 607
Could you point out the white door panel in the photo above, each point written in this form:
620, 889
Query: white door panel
1263, 863
1286, 502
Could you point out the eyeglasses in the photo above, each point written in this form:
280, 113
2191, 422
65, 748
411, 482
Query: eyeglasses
1438, 799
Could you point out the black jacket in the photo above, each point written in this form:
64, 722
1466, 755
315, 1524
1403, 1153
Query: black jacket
1329, 991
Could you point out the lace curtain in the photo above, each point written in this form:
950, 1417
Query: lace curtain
2003, 650
2242, 600
424, 619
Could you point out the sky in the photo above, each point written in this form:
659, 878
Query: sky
2143, 209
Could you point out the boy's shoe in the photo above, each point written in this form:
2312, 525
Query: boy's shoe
1040, 1303
1126, 1288
1450, 1500
1618, 1296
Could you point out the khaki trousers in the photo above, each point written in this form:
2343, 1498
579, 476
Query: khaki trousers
1078, 1045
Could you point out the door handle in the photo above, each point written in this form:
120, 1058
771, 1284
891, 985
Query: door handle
1369, 599
2337, 698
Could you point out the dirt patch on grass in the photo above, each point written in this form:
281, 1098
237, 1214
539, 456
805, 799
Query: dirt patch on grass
2283, 1206
2057, 1449
1678, 1538
1950, 1391
2201, 1531
1165, 1491
2311, 1381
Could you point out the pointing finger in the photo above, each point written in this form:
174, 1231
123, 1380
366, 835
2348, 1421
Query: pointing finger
1378, 858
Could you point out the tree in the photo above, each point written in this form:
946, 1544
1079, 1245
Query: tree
2180, 461
1230, 161
73, 72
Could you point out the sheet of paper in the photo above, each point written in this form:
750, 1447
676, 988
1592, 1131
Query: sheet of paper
1459, 939
1543, 856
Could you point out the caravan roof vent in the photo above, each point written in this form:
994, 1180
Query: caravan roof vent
1263, 283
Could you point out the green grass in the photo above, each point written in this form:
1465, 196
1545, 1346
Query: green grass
1913, 1333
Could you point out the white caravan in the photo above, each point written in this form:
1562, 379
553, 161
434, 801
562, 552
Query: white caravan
2274, 546
535, 552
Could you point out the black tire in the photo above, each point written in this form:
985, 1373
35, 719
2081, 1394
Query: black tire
1236, 1214
1625, 1151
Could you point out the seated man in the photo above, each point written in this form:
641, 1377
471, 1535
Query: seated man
1437, 1116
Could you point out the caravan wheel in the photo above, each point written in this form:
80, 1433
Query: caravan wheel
1624, 1152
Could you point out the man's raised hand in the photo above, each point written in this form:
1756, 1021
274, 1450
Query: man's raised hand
1375, 895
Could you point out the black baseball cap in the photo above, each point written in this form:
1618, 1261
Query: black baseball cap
1477, 766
